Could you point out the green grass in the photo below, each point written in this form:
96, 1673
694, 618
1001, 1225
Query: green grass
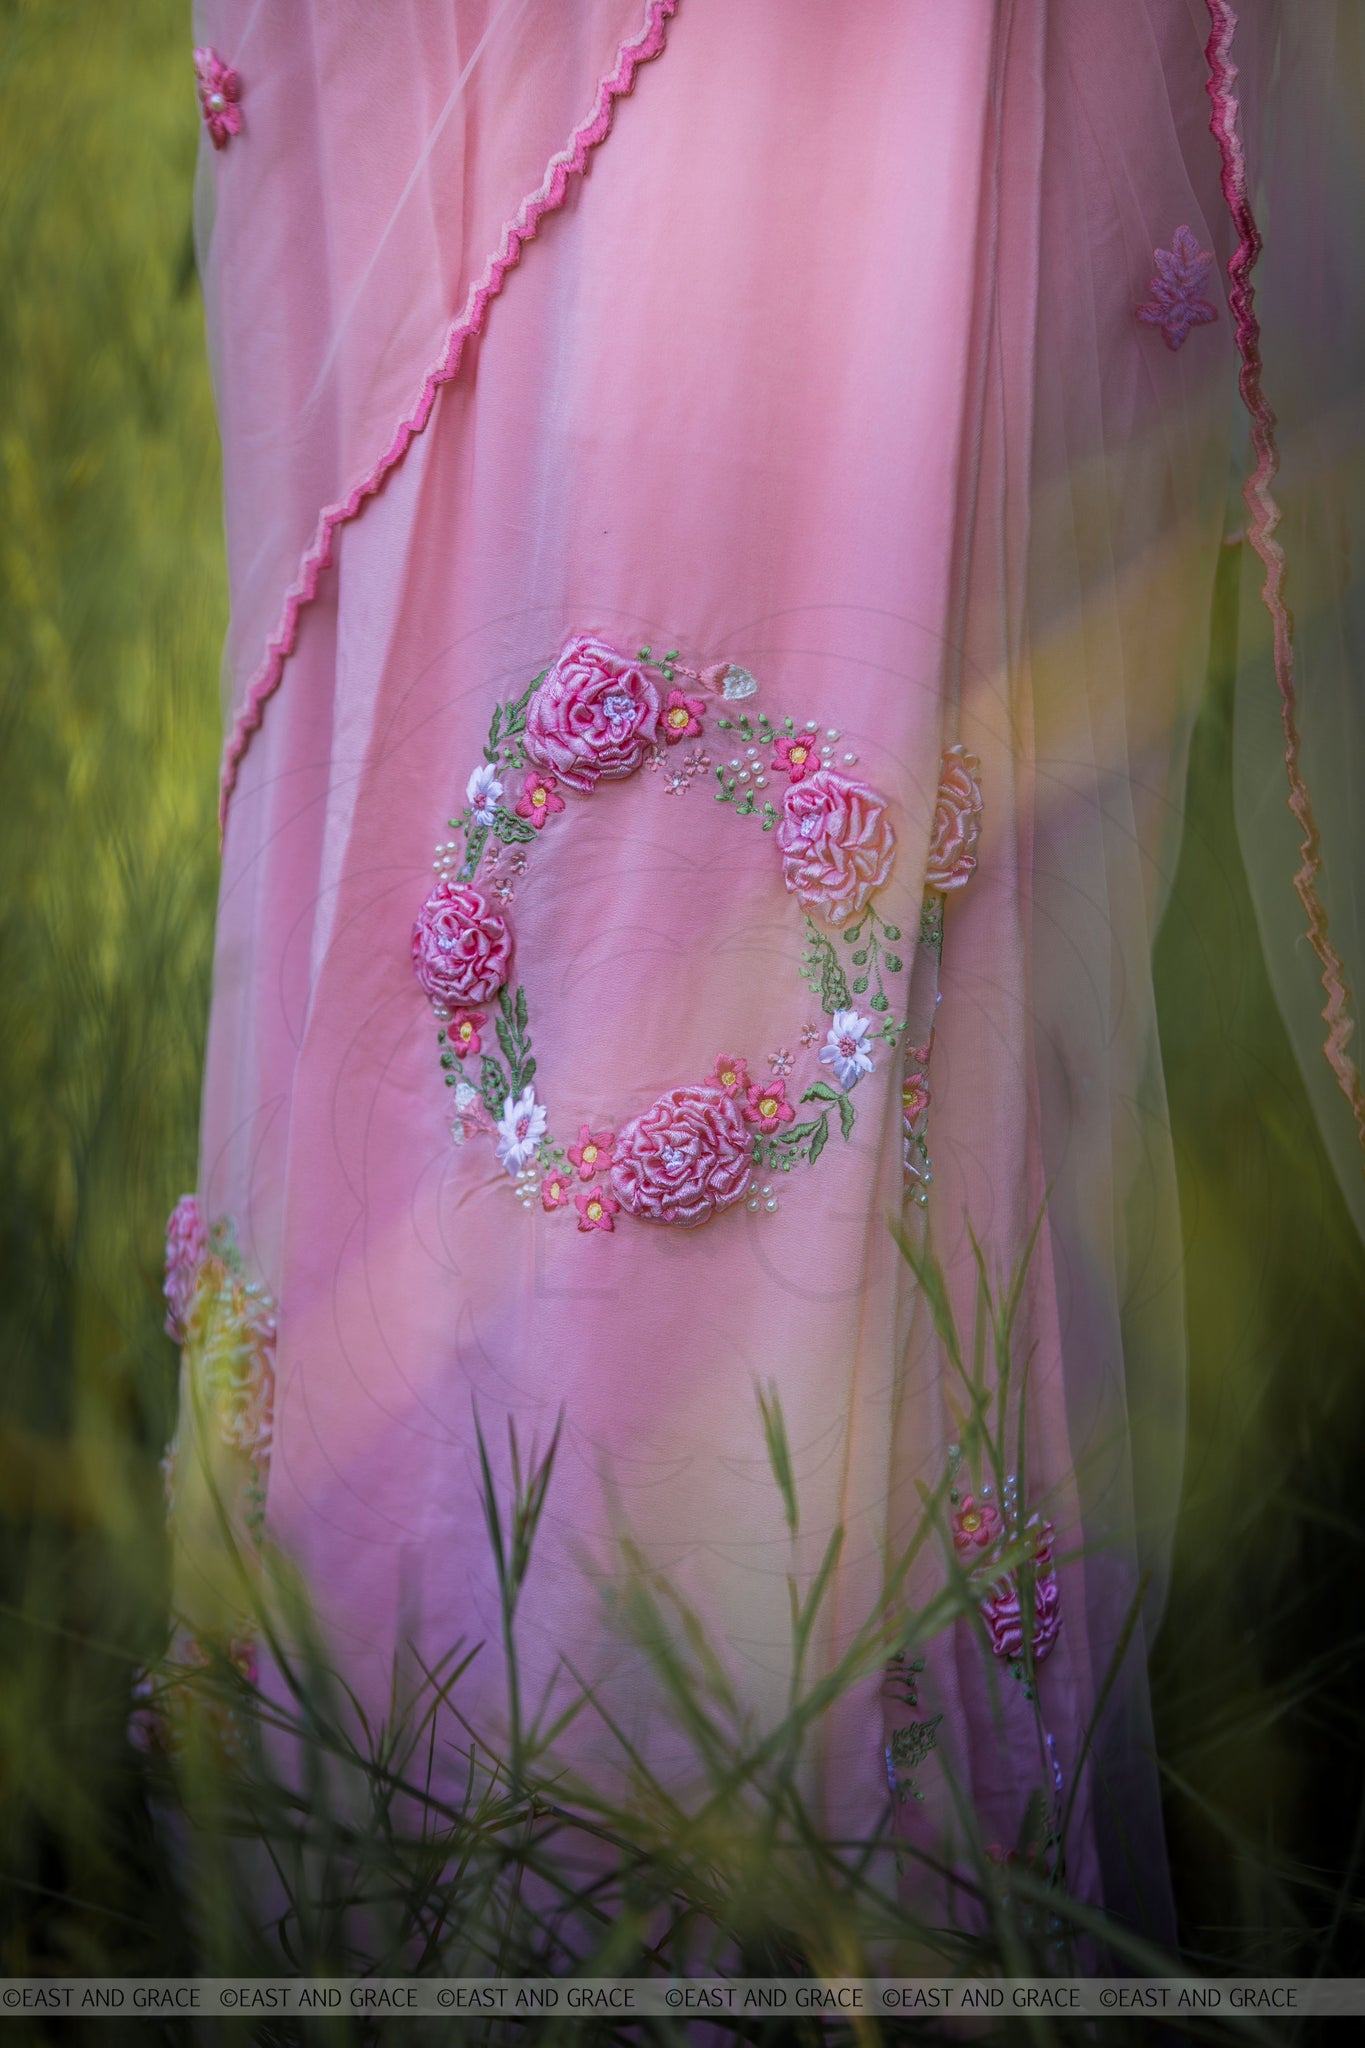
111, 617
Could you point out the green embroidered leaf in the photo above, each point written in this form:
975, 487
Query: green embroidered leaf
820, 1091
891, 931
819, 1138
846, 1115
860, 958
516, 713
473, 852
509, 826
893, 962
509, 1049
860, 985
877, 1002
492, 1085
825, 975
527, 1072
521, 1010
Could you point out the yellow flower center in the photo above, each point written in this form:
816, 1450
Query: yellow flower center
589, 1154
768, 1106
537, 796
728, 1077
798, 754
594, 1210
466, 1032
971, 1520
677, 716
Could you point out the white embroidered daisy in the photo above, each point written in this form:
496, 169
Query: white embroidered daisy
521, 1127
484, 792
846, 1049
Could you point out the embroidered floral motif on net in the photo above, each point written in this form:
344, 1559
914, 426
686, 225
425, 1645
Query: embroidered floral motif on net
597, 715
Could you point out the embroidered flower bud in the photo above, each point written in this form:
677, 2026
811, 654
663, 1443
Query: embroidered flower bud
187, 1244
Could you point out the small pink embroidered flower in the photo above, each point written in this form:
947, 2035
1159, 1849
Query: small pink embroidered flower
594, 1151
781, 1061
914, 1100
462, 1032
187, 1244
461, 948
682, 717
596, 1209
730, 1074
836, 843
796, 754
810, 1034
976, 1524
538, 800
556, 1190
1177, 305
595, 714
220, 90
767, 1106
957, 822
688, 1156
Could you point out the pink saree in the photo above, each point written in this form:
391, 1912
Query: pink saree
722, 505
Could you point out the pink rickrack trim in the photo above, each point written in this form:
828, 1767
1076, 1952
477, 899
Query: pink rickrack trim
1265, 517
568, 163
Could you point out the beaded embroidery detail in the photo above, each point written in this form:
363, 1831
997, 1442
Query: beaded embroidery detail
598, 715
220, 93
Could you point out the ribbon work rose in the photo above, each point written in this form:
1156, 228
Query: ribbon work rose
689, 1155
836, 843
957, 822
461, 948
594, 716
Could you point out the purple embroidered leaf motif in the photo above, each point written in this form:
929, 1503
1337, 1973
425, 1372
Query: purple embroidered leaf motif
1177, 303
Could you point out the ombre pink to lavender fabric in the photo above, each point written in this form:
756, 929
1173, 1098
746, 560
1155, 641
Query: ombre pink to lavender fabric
823, 364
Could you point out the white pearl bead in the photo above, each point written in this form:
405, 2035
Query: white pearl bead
760, 782
831, 733
744, 775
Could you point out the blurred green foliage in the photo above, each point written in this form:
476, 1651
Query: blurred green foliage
111, 617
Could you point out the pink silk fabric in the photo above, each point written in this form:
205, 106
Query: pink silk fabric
827, 366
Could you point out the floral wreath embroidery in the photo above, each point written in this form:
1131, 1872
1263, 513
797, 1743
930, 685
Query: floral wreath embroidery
598, 715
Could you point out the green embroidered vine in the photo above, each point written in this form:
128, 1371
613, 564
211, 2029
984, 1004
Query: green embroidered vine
872, 956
